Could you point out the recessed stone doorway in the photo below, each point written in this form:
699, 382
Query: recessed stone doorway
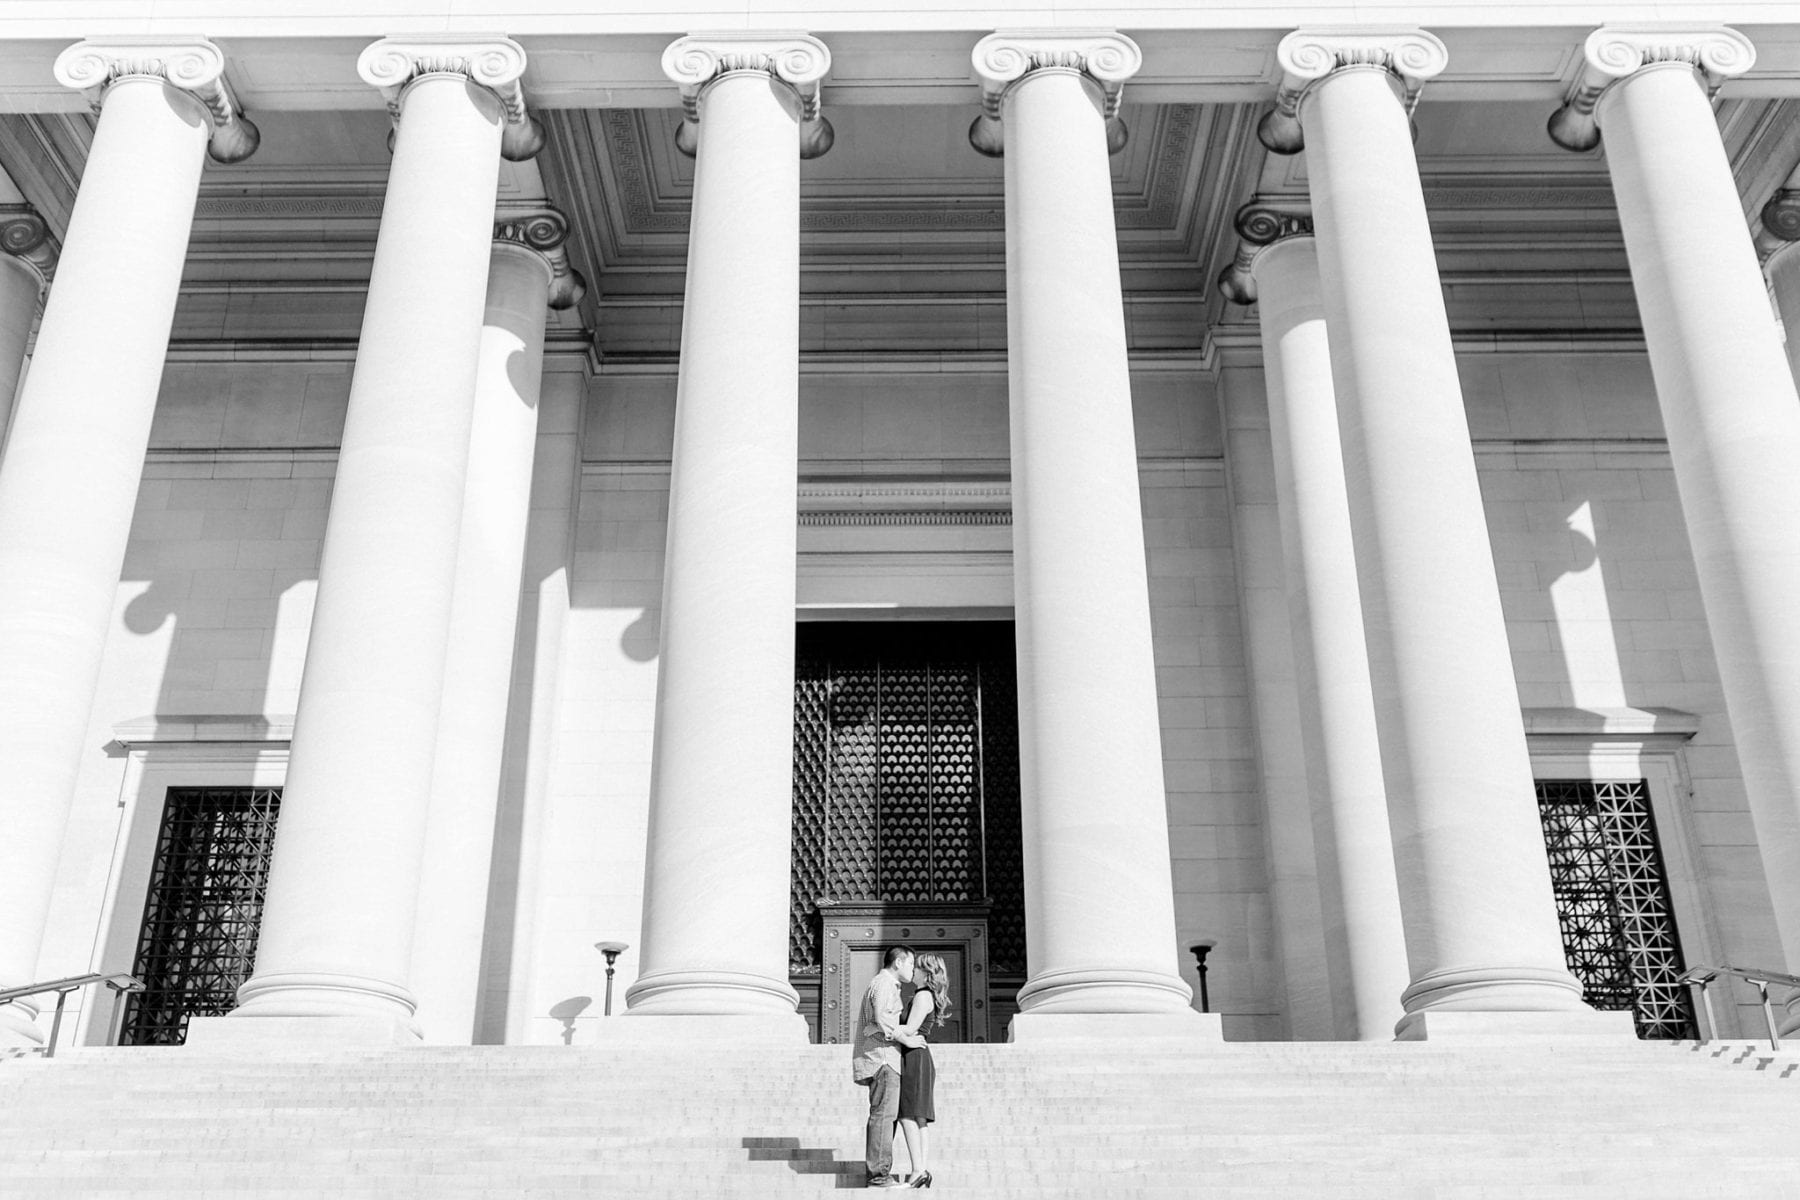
906, 798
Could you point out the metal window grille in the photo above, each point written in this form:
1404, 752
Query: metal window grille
1612, 899
906, 776
202, 911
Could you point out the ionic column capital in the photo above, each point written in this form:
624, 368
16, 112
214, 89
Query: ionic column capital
1307, 56
797, 59
1261, 224
543, 231
1781, 215
192, 65
26, 237
1616, 52
1002, 59
495, 63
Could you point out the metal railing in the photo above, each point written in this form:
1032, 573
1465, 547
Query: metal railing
1698, 977
63, 989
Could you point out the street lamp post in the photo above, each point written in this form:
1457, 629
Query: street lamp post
612, 950
1199, 951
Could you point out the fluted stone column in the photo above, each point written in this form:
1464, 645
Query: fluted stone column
1727, 394
1781, 266
1481, 926
337, 927
528, 273
27, 255
1099, 907
716, 870
79, 433
1331, 662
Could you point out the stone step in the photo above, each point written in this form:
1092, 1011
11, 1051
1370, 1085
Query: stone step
1330, 1121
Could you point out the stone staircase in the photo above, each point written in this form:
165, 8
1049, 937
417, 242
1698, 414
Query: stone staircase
1059, 1119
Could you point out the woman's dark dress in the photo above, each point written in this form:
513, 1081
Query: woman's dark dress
918, 1074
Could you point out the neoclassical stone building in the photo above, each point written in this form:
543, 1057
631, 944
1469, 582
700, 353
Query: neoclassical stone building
1179, 510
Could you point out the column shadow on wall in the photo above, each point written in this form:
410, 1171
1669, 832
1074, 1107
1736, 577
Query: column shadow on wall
214, 686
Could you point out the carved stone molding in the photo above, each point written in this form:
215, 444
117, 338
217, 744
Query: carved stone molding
1615, 52
495, 63
1003, 59
543, 230
192, 65
796, 59
1781, 215
1260, 224
1411, 56
26, 237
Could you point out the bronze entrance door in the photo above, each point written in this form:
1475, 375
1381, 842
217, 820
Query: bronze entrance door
906, 815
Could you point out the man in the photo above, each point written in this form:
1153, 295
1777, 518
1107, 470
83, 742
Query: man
876, 1064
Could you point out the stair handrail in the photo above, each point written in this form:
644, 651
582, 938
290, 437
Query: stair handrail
1697, 979
64, 988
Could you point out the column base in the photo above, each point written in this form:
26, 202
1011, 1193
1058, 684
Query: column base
1107, 990
639, 1029
1039, 1028
1580, 1025
18, 1028
260, 1034
319, 995
710, 994
1496, 989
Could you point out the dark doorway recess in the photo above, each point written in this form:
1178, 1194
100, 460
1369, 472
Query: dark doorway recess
1612, 899
906, 786
203, 908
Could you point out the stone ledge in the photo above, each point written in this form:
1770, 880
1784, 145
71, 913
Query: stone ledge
1622, 723
1116, 1029
1572, 1025
205, 727
258, 1035
629, 1029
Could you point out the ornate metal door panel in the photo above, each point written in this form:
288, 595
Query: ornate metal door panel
1612, 897
203, 908
857, 935
906, 779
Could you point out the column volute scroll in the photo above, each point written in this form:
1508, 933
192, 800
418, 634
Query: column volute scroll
1410, 58
797, 60
26, 239
1781, 215
1780, 244
543, 231
1613, 53
1104, 58
1260, 224
193, 66
496, 64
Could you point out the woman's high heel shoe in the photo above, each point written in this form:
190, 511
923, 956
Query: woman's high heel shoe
922, 1179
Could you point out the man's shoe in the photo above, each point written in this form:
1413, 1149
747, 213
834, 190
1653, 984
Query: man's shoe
886, 1181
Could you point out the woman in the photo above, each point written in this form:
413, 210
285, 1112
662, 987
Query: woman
927, 1003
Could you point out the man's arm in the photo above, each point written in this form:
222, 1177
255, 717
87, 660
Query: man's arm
887, 1018
922, 1007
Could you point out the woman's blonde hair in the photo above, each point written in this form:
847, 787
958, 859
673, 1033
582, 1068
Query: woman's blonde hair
937, 978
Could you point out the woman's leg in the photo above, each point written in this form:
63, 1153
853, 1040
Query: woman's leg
915, 1143
918, 1156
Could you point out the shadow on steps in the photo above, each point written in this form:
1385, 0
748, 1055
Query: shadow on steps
805, 1160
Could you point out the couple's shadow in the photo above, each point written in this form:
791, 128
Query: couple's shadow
807, 1160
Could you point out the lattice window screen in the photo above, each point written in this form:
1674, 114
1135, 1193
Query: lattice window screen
202, 911
1612, 898
906, 775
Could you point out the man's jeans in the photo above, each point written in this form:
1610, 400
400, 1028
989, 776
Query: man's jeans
884, 1109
